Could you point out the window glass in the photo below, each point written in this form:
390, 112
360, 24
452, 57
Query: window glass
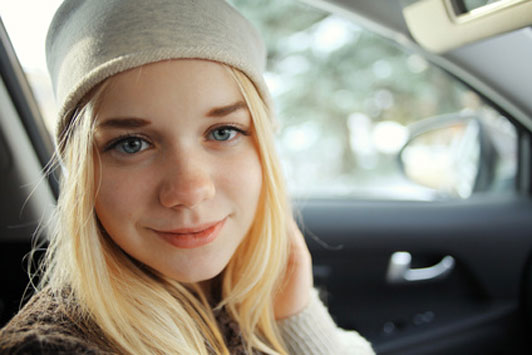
26, 22
359, 116
349, 100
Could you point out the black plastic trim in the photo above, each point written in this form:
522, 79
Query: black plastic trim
24, 102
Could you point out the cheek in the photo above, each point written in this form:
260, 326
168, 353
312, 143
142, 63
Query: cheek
242, 181
120, 198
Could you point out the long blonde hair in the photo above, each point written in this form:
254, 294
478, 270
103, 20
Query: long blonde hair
139, 310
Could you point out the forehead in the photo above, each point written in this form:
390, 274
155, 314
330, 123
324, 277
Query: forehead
171, 85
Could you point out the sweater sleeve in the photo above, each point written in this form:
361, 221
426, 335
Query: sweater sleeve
313, 332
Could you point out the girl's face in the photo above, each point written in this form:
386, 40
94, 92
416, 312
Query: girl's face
179, 172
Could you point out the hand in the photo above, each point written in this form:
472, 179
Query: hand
294, 293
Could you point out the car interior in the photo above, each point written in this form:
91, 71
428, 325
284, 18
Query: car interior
446, 276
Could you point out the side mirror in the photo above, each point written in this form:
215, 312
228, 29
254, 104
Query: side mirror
451, 154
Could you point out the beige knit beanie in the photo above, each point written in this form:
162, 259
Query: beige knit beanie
91, 40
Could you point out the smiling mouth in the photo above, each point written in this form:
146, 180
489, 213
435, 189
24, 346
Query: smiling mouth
188, 238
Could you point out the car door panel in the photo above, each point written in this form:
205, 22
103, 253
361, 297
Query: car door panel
476, 309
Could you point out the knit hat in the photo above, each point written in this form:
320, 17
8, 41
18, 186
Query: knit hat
91, 40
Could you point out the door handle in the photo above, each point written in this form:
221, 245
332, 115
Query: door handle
399, 270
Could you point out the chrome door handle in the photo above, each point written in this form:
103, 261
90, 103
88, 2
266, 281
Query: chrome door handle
399, 270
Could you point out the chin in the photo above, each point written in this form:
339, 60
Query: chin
196, 275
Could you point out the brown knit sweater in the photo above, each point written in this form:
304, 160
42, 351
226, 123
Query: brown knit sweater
50, 325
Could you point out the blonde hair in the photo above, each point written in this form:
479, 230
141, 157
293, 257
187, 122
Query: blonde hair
139, 310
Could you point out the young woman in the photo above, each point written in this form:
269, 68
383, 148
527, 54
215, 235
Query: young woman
173, 233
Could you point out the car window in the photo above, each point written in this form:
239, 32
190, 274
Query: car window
362, 117
359, 116
26, 22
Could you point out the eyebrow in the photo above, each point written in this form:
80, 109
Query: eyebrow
139, 122
226, 110
124, 123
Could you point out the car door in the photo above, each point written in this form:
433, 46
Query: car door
478, 308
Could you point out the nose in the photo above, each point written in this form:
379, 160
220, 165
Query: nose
187, 182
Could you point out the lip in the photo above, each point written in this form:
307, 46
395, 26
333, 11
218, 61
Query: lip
193, 237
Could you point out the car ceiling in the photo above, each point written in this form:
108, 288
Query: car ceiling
498, 68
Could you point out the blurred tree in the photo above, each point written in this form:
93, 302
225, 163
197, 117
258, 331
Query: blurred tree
328, 68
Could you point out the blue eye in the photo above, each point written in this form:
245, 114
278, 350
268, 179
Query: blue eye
130, 145
223, 133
